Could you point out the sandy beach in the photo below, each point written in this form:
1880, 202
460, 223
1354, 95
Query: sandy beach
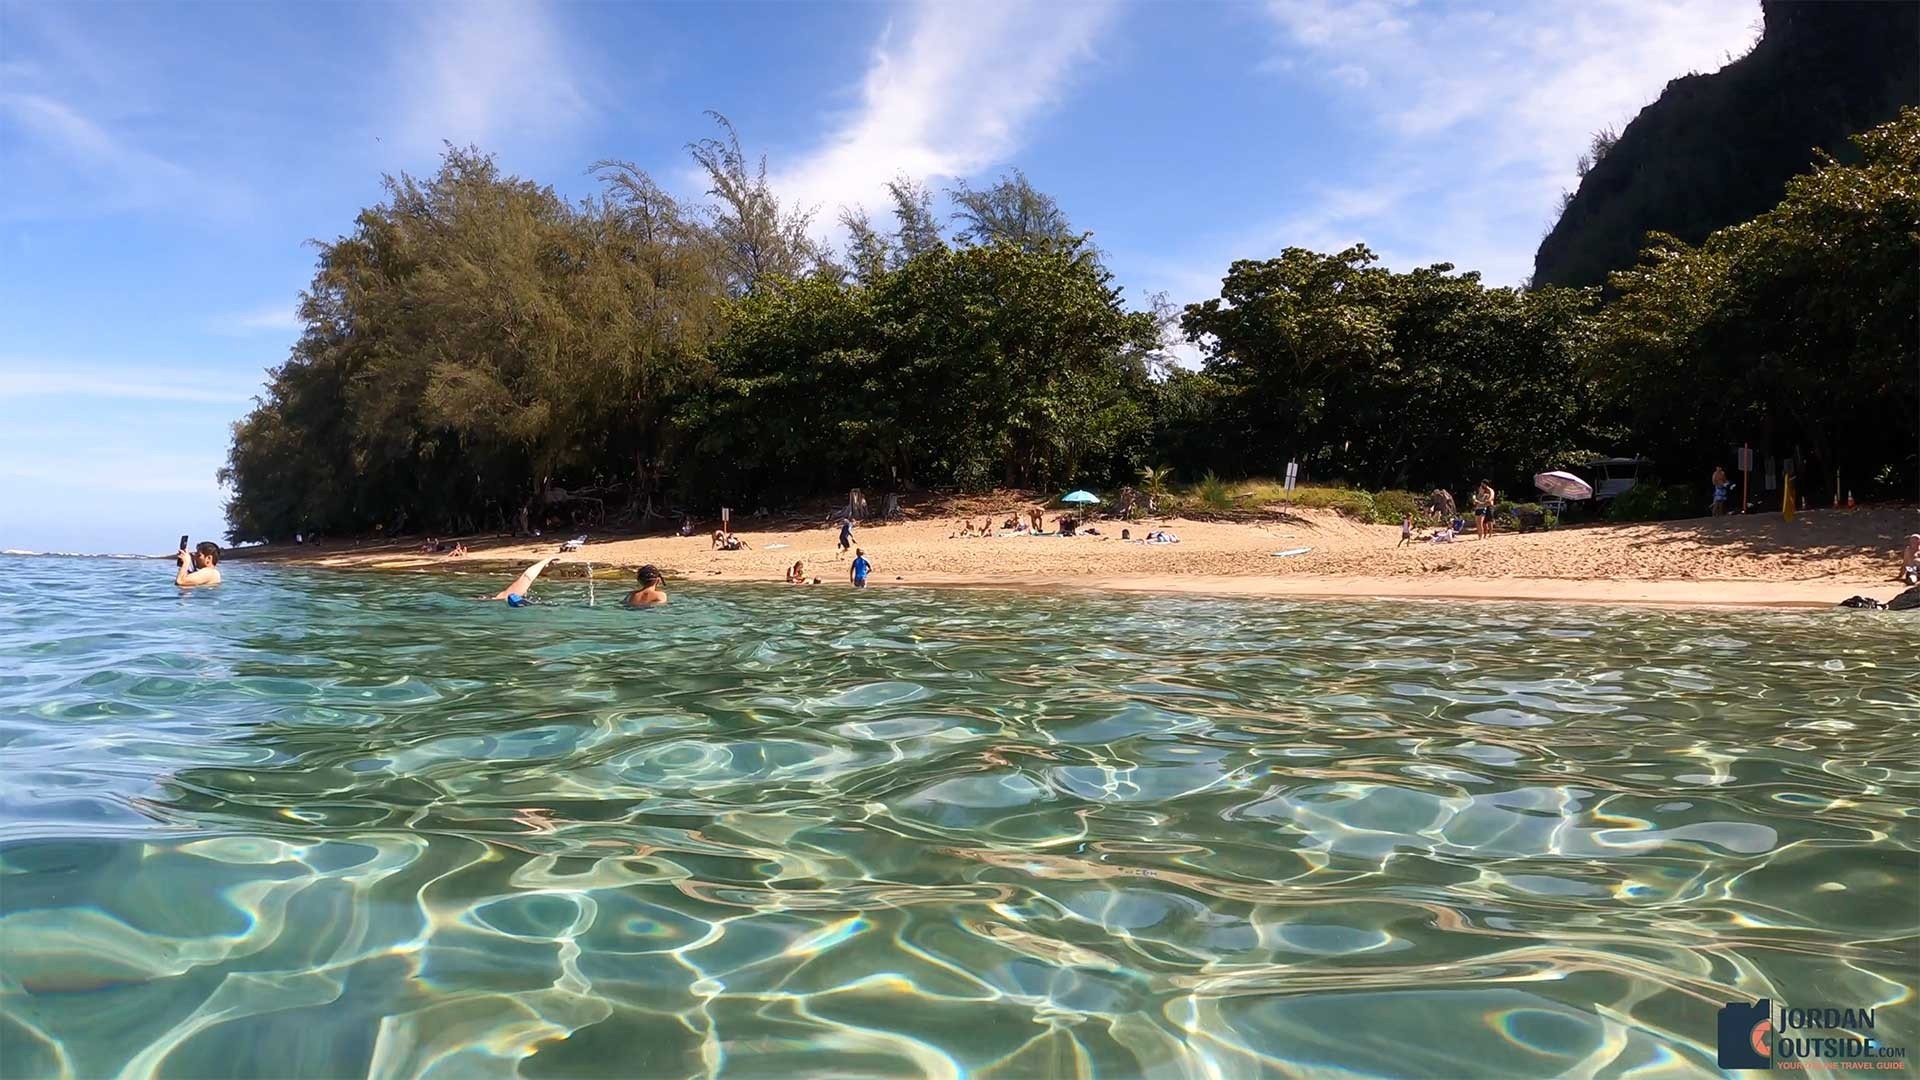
1816, 560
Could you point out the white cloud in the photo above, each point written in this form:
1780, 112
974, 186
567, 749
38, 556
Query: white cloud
484, 73
125, 384
64, 159
272, 318
948, 94
1482, 112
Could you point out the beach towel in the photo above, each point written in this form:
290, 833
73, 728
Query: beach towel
1290, 552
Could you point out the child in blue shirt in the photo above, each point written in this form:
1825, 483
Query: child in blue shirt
861, 567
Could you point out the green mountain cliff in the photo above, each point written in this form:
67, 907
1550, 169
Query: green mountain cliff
1717, 149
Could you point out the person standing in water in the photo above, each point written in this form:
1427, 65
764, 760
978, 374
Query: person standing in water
651, 590
200, 568
857, 573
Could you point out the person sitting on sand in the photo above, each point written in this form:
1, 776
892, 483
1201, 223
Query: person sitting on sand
520, 593
797, 574
1909, 561
200, 568
651, 591
459, 551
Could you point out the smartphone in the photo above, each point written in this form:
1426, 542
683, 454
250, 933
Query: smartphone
183, 541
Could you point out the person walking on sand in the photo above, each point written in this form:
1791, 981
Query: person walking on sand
1406, 529
1483, 508
846, 535
1721, 489
857, 573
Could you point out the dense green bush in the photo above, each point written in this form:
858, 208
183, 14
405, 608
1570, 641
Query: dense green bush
1656, 502
1507, 514
1390, 506
1213, 493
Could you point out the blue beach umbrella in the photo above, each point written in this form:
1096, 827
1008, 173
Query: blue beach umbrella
1080, 497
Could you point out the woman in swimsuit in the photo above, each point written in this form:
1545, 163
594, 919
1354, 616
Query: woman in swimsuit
1483, 508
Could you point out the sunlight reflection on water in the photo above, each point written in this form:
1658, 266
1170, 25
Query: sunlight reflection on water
331, 825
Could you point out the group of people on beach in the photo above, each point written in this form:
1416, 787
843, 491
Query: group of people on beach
1451, 524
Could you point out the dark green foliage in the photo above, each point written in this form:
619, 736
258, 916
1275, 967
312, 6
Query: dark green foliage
475, 346
1798, 331
1212, 493
1657, 502
1387, 379
1717, 149
1390, 506
971, 366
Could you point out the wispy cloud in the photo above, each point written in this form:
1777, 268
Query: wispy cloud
1482, 112
485, 73
121, 384
949, 91
269, 319
63, 159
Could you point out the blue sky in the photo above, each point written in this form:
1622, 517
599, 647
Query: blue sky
163, 165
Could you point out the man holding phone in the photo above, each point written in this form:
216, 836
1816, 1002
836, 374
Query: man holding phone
202, 567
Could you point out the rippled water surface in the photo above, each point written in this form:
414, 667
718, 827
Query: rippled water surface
335, 825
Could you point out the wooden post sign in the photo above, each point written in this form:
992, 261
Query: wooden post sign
1746, 473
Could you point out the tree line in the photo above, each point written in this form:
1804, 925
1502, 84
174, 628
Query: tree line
479, 352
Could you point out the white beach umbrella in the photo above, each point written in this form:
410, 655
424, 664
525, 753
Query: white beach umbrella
1563, 484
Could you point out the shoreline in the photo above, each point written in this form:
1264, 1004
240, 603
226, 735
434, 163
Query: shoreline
1805, 594
1758, 561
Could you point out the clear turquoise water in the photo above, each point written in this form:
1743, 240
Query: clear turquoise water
334, 825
